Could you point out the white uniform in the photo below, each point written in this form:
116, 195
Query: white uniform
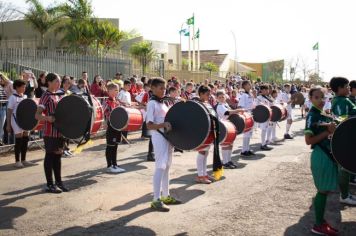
156, 113
221, 109
285, 98
12, 104
124, 97
247, 103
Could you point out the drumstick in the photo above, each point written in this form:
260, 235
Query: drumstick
123, 137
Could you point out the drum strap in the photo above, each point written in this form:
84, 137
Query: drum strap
86, 136
217, 165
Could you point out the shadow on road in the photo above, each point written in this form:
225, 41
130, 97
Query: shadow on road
332, 215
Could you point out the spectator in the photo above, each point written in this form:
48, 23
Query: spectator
31, 83
133, 88
6, 84
42, 85
98, 88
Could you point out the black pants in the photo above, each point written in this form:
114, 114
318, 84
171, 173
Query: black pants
52, 161
21, 148
113, 137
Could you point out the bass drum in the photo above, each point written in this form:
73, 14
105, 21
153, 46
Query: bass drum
25, 115
297, 99
261, 113
97, 116
243, 122
279, 113
191, 126
342, 144
72, 116
126, 119
227, 132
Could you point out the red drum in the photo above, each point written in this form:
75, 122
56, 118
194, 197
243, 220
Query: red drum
279, 113
126, 119
97, 116
261, 113
243, 122
227, 133
192, 127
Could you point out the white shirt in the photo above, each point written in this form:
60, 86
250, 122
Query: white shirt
156, 112
327, 105
285, 98
262, 100
221, 109
246, 101
14, 102
124, 97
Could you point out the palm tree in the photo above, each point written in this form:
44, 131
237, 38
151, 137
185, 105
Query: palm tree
144, 52
77, 9
42, 18
211, 67
79, 36
107, 35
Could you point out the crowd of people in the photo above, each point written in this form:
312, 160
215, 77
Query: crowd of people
234, 95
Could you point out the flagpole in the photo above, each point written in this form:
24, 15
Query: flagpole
180, 57
199, 52
189, 58
193, 43
318, 58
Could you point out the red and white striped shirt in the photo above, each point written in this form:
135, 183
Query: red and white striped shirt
49, 102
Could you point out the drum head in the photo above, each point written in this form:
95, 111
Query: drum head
261, 114
119, 118
223, 131
190, 125
238, 121
276, 114
72, 116
298, 99
342, 144
25, 114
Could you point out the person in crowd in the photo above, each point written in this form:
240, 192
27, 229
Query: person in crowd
98, 87
21, 136
31, 83
42, 85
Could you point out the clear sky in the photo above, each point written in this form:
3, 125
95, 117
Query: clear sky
265, 30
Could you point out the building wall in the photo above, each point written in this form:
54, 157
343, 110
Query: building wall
257, 66
20, 33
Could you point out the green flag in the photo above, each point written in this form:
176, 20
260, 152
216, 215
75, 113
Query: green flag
183, 31
316, 46
187, 33
190, 21
197, 34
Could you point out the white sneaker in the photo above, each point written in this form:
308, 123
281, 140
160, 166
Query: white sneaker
19, 165
350, 200
27, 163
119, 170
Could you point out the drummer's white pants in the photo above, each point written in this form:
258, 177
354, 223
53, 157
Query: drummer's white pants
271, 132
246, 141
201, 163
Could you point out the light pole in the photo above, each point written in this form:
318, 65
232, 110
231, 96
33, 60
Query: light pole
236, 64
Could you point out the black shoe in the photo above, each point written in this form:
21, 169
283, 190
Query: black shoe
251, 153
52, 189
227, 166
61, 187
178, 150
247, 154
232, 165
151, 157
287, 136
266, 148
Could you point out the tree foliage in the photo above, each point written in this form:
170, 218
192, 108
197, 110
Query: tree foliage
210, 66
144, 52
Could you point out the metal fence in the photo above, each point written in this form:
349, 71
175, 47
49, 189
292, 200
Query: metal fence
13, 60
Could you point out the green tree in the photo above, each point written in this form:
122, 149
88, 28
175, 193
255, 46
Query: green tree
42, 18
144, 52
77, 9
211, 67
107, 35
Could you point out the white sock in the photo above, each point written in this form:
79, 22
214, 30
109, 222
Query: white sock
229, 153
263, 136
269, 133
200, 164
274, 137
157, 180
225, 155
205, 161
245, 144
288, 128
165, 182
